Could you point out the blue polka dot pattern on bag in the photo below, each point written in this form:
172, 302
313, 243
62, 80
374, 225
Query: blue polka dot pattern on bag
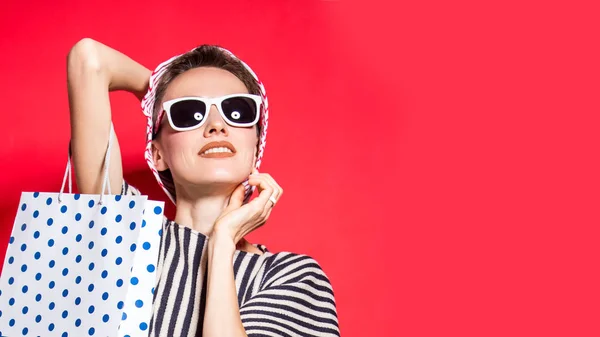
67, 278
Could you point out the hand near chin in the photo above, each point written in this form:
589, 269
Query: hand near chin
238, 220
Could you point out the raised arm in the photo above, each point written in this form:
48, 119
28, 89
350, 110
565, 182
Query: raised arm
93, 70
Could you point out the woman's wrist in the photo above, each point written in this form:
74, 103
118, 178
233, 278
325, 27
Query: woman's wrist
219, 240
125, 73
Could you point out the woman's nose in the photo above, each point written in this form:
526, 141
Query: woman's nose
215, 122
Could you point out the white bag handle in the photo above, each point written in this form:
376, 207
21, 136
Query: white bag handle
105, 182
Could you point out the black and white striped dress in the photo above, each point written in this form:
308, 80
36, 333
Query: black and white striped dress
279, 294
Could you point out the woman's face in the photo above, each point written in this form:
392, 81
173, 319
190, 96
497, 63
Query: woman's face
180, 151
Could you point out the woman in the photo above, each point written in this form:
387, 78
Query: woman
204, 154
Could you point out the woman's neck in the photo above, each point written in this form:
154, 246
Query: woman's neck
200, 214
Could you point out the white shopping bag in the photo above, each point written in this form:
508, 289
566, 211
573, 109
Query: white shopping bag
81, 265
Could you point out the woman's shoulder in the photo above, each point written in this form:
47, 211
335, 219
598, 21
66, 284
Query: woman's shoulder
294, 266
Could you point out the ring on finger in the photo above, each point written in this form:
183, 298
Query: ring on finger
273, 200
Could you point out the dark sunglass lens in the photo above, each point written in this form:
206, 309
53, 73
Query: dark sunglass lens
187, 113
240, 109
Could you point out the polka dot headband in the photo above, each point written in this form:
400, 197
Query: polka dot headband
148, 107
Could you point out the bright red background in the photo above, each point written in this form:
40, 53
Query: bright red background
439, 158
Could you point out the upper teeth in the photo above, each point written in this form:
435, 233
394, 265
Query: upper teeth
217, 150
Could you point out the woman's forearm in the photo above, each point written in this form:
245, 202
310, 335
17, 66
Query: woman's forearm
222, 312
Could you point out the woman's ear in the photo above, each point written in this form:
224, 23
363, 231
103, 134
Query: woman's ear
157, 157
255, 157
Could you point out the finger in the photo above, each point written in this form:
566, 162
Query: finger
237, 197
265, 191
259, 206
278, 191
275, 195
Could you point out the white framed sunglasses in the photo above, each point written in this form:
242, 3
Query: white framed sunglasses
189, 113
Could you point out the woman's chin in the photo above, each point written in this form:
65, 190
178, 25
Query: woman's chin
221, 178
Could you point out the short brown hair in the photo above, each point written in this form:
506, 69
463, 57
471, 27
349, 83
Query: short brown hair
202, 56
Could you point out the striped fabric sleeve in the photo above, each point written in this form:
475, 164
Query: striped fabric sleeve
294, 298
127, 189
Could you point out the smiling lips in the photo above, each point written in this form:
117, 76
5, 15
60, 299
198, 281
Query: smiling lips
221, 149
